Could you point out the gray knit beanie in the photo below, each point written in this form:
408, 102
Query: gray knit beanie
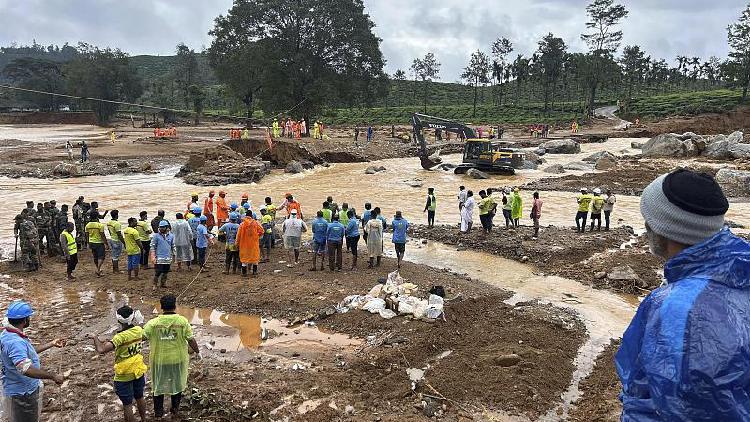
684, 206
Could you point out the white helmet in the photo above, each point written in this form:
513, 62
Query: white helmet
584, 190
597, 191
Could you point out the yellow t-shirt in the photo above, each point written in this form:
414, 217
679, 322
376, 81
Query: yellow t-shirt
144, 228
128, 344
597, 205
584, 200
114, 228
95, 231
131, 241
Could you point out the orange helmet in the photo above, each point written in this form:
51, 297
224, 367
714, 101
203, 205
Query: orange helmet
221, 192
245, 195
212, 192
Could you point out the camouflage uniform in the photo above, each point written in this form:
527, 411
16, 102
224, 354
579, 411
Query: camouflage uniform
53, 212
29, 241
43, 223
78, 218
17, 232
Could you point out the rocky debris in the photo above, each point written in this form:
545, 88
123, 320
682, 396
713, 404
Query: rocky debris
718, 147
447, 166
477, 174
579, 166
636, 145
66, 169
414, 183
294, 167
222, 166
593, 158
606, 163
734, 182
540, 151
146, 166
533, 157
507, 360
527, 165
561, 146
374, 169
122, 164
623, 273
555, 169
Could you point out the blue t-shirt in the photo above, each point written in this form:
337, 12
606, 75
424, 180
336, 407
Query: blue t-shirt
366, 217
194, 223
201, 232
352, 229
320, 230
15, 349
383, 220
230, 229
399, 230
336, 232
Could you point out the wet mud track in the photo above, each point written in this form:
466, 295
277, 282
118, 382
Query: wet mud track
312, 373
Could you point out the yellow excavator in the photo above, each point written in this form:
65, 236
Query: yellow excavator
479, 153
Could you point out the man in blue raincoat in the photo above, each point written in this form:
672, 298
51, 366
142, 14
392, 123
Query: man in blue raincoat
686, 354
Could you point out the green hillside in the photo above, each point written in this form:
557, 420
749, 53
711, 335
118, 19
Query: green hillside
688, 103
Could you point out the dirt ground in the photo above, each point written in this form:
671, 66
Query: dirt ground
370, 377
600, 390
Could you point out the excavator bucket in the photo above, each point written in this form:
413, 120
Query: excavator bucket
428, 163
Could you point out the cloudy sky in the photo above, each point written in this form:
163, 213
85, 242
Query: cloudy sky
409, 28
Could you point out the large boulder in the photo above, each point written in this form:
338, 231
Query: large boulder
670, 145
555, 169
734, 182
636, 145
533, 157
593, 158
66, 169
477, 174
561, 146
623, 273
294, 167
722, 147
527, 165
307, 164
579, 166
374, 169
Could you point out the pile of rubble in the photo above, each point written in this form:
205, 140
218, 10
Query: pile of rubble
396, 297
689, 144
221, 165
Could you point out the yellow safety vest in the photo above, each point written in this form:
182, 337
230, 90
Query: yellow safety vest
72, 246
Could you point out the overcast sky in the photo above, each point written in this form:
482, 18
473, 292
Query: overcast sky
452, 29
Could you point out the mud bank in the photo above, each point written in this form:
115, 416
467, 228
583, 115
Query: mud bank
316, 380
599, 401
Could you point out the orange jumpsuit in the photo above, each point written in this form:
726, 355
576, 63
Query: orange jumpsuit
222, 211
248, 240
208, 211
294, 205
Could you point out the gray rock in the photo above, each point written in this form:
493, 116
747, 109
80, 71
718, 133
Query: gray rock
722, 147
606, 163
146, 166
600, 275
623, 273
122, 164
477, 174
562, 146
689, 135
447, 166
294, 167
374, 169
540, 151
736, 137
736, 181
533, 157
579, 165
669, 145
555, 169
593, 158
507, 360
636, 145
528, 165
66, 169
307, 164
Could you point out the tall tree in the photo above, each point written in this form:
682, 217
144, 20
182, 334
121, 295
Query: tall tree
738, 35
37, 74
304, 52
551, 56
185, 71
633, 62
400, 76
426, 69
102, 73
500, 50
603, 41
476, 73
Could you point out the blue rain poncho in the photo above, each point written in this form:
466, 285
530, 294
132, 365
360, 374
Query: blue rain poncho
686, 354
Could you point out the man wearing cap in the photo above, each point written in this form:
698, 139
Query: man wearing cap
229, 232
21, 367
162, 253
201, 241
685, 354
291, 231
208, 210
584, 200
222, 209
597, 204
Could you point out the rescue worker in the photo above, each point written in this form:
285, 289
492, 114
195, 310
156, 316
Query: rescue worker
229, 232
292, 204
400, 227
97, 240
334, 207
29, 241
584, 201
516, 206
162, 253
78, 218
292, 230
275, 126
54, 212
116, 240
327, 213
344, 214
222, 209
597, 204
609, 204
248, 240
335, 240
684, 355
202, 237
194, 222
352, 236
485, 208
132, 243
22, 369
288, 126
144, 235
193, 204
61, 222
69, 249
43, 223
267, 240
430, 207
366, 215
320, 233
316, 130
374, 230
183, 242
208, 210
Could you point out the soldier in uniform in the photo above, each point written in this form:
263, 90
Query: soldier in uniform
31, 209
29, 240
17, 233
61, 222
43, 223
78, 218
53, 212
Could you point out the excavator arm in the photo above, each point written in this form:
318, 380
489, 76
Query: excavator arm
422, 121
